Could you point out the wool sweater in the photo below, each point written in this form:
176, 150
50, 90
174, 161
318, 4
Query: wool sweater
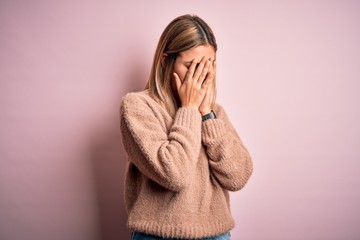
179, 171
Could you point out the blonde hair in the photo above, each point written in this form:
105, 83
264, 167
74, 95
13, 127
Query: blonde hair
182, 33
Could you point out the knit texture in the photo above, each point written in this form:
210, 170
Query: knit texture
179, 170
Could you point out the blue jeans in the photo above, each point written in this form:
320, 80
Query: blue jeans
143, 236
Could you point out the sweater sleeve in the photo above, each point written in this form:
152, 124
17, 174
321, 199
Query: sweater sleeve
167, 157
229, 160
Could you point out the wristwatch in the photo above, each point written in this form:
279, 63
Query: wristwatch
210, 115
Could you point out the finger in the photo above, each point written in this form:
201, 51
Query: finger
177, 81
205, 72
207, 82
210, 73
206, 102
213, 86
189, 74
199, 69
208, 91
205, 99
214, 67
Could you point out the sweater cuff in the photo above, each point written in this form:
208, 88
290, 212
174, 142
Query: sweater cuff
212, 130
187, 117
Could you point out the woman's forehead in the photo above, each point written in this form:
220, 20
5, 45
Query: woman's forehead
198, 52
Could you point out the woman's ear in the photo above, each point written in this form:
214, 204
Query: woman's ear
163, 59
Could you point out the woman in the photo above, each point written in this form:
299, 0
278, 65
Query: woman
183, 153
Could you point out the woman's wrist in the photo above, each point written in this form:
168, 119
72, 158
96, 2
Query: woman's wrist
205, 111
189, 106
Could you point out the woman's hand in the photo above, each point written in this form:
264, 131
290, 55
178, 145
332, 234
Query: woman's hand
193, 89
205, 106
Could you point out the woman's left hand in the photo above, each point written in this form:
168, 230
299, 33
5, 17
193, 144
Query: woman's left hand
205, 106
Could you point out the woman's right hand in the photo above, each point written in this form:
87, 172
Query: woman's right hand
193, 88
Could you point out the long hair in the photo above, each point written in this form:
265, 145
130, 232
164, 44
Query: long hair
182, 33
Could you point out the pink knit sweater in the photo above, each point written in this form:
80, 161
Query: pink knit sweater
179, 170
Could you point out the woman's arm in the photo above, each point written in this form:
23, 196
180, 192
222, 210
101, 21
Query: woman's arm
229, 161
168, 158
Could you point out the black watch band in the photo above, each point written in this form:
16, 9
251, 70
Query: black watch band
210, 115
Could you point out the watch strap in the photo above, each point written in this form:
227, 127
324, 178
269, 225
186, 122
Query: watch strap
210, 115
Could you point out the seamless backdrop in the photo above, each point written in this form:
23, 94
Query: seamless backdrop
288, 77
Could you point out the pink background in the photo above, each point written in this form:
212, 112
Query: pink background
288, 76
